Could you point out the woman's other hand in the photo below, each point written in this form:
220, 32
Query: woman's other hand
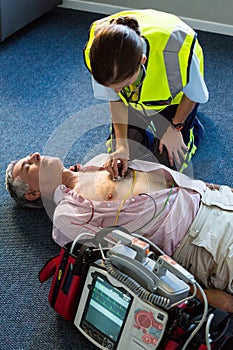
176, 148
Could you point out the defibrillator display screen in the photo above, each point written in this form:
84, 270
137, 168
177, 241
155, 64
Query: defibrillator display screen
106, 309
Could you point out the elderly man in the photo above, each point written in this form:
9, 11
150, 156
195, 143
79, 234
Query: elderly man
184, 217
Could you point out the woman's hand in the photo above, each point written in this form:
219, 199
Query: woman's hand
117, 162
176, 148
75, 167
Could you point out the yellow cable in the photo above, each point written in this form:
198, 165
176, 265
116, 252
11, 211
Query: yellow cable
126, 196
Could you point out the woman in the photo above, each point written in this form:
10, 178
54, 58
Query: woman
149, 65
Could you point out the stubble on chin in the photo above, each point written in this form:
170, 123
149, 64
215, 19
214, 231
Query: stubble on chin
50, 176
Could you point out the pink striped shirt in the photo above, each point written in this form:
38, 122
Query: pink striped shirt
163, 216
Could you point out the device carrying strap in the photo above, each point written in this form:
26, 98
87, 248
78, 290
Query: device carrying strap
226, 344
84, 258
184, 322
77, 248
217, 331
48, 270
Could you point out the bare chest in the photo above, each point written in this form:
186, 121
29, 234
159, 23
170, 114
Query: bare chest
100, 187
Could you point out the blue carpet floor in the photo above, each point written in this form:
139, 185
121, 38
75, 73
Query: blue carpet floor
47, 105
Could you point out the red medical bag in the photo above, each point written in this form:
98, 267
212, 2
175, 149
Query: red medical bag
69, 271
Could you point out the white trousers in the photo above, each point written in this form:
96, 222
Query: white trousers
207, 248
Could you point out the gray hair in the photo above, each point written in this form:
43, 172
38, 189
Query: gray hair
17, 189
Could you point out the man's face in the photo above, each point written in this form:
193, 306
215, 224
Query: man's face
41, 173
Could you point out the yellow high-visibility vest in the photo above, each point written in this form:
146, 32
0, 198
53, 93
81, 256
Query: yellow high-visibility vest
170, 45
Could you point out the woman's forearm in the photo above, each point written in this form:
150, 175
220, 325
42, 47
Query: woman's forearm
184, 109
119, 114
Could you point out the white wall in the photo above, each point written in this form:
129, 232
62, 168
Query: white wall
208, 15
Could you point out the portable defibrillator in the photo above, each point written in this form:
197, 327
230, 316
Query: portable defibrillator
125, 296
122, 294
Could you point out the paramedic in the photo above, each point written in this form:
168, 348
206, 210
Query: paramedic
149, 65
185, 218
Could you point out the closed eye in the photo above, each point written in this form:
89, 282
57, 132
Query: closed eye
25, 166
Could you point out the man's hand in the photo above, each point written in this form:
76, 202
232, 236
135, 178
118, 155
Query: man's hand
117, 163
176, 148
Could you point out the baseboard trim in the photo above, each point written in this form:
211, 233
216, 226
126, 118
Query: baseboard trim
107, 9
90, 6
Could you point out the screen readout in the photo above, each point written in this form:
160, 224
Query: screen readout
107, 308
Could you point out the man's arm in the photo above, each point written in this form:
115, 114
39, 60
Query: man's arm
217, 298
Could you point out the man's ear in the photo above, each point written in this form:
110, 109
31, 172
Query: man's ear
32, 195
143, 59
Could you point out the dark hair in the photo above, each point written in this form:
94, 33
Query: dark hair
116, 51
17, 189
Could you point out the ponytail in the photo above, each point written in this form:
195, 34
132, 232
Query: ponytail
130, 22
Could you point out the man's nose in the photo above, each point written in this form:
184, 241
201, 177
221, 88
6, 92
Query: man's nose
35, 157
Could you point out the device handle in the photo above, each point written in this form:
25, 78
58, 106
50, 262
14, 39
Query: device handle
96, 238
100, 235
